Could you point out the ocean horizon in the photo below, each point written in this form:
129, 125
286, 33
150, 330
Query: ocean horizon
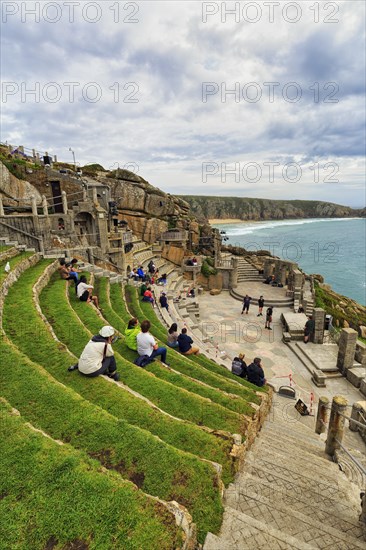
332, 247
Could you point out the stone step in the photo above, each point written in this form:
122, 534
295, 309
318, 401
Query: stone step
324, 466
278, 491
301, 524
241, 531
296, 439
299, 481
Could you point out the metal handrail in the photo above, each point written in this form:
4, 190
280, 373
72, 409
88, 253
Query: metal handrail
349, 417
358, 464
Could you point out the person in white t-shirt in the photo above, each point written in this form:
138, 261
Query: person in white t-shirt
98, 356
146, 344
84, 292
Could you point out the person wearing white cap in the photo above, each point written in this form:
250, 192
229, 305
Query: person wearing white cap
98, 356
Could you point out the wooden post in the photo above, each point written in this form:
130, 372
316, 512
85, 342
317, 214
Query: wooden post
336, 424
64, 201
322, 415
34, 205
44, 205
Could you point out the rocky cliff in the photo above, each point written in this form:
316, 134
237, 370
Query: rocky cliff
264, 209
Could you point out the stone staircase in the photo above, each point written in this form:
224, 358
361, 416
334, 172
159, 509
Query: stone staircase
289, 493
246, 272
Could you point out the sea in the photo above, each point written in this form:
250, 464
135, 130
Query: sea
334, 248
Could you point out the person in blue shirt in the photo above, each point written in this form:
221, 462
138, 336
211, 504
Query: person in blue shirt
140, 273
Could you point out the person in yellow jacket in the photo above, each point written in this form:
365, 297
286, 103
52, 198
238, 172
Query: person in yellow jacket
131, 333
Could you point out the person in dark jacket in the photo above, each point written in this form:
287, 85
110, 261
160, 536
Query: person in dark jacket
164, 301
255, 373
246, 303
185, 344
309, 330
239, 366
260, 306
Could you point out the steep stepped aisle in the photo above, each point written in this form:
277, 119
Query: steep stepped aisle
246, 272
116, 398
135, 453
48, 498
289, 495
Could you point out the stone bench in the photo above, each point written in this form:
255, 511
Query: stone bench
318, 377
286, 337
355, 375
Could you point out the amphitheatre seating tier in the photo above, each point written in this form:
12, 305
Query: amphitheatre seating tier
144, 310
51, 504
174, 400
135, 453
192, 366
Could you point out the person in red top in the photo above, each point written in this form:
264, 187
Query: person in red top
148, 296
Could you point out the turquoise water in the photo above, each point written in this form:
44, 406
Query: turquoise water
335, 248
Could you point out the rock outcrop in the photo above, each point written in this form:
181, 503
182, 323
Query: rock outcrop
13, 188
264, 209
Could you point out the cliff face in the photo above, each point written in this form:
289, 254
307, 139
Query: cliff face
265, 209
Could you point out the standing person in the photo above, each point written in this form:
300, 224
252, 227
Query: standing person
309, 330
131, 333
164, 301
256, 373
146, 344
172, 340
98, 356
260, 306
84, 292
269, 314
185, 344
246, 304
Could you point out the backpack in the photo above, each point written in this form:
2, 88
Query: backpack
236, 368
142, 361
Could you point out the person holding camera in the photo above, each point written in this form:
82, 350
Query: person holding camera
98, 356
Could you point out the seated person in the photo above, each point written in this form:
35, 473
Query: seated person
194, 261
191, 293
133, 275
185, 344
164, 301
63, 270
141, 273
239, 366
151, 267
143, 289
131, 333
98, 356
255, 373
148, 296
189, 262
162, 279
146, 344
84, 292
173, 336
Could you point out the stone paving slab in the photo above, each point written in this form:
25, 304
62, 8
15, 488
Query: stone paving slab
257, 288
295, 322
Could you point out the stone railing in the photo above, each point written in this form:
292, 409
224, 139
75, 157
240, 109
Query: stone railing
224, 264
174, 235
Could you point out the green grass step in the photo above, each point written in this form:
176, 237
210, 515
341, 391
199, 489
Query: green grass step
209, 372
157, 468
13, 262
121, 403
183, 379
55, 496
174, 400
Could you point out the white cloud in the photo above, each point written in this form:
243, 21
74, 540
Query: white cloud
162, 61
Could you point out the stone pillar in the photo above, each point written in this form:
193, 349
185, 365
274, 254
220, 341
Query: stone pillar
277, 270
54, 158
34, 205
233, 281
347, 349
44, 205
34, 153
283, 275
336, 424
64, 202
85, 195
2, 213
322, 416
95, 196
319, 318
356, 409
267, 268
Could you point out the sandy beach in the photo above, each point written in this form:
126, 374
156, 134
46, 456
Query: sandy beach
228, 220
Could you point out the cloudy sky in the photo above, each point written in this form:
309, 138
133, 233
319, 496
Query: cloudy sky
257, 99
